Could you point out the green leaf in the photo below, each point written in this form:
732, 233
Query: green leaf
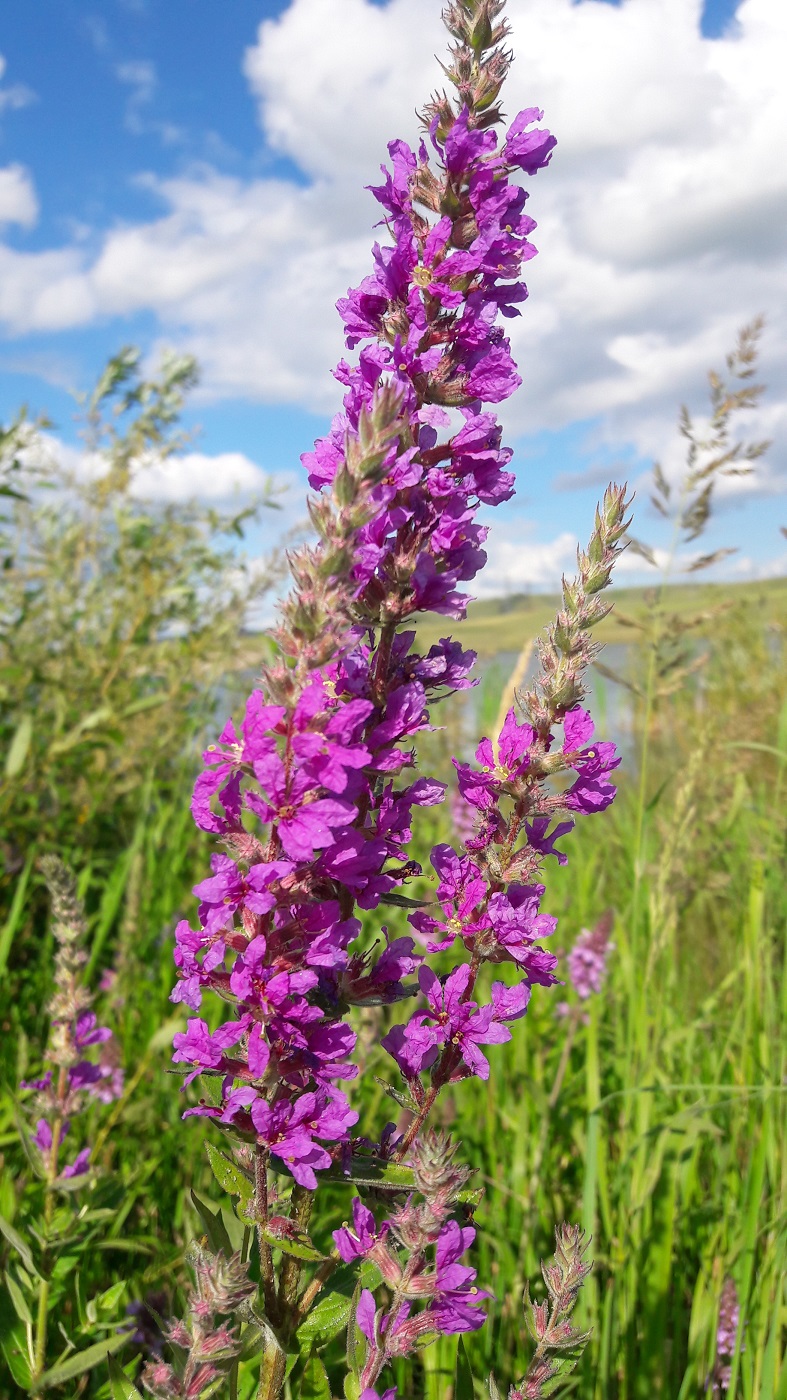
82, 1361
18, 748
463, 1385
383, 1176
108, 1301
215, 1229
228, 1174
9, 928
17, 1243
15, 1352
121, 1387
280, 1234
403, 901
18, 1299
314, 1382
352, 1387
326, 1319
405, 1101
470, 1196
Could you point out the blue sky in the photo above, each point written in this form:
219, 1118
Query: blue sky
191, 173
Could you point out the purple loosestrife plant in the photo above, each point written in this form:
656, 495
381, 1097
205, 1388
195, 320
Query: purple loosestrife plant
312, 796
726, 1337
79, 1070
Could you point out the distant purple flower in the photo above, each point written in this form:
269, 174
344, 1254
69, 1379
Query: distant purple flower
587, 961
43, 1136
726, 1337
88, 1032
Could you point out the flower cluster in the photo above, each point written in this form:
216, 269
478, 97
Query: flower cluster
73, 1078
417, 1250
726, 1336
587, 961
308, 797
206, 1341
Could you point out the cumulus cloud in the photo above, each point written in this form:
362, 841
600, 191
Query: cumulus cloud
517, 562
198, 474
661, 217
186, 476
18, 202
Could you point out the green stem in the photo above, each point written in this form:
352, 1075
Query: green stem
274, 1366
42, 1317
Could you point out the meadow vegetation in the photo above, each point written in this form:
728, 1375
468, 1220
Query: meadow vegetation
652, 1113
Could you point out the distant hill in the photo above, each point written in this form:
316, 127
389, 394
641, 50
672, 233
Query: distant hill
504, 624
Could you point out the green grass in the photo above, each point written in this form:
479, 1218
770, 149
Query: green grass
667, 1139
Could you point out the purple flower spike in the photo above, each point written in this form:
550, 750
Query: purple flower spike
314, 794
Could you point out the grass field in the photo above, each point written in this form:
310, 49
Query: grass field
660, 1123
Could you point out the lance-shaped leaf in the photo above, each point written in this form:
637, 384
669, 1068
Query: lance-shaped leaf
121, 1388
232, 1178
215, 1229
463, 1384
17, 1243
82, 1361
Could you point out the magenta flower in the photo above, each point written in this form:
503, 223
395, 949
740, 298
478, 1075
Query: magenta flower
517, 924
461, 889
289, 1130
79, 1166
530, 150
457, 1305
448, 1019
197, 1046
358, 1242
228, 889
304, 822
592, 791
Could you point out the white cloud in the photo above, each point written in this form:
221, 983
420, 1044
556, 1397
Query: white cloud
182, 477
141, 77
661, 216
198, 474
18, 202
517, 562
16, 95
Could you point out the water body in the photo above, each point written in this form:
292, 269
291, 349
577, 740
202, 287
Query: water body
611, 705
